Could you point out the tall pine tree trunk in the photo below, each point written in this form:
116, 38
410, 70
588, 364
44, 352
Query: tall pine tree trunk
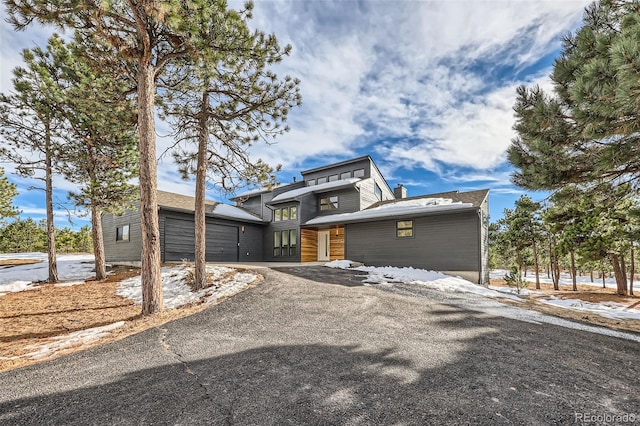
535, 263
201, 173
623, 269
98, 241
633, 270
150, 229
620, 283
573, 271
48, 190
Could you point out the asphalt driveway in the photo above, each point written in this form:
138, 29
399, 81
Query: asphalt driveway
295, 351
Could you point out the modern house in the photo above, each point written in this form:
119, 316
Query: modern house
340, 211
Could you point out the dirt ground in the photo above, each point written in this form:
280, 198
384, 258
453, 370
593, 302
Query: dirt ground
30, 319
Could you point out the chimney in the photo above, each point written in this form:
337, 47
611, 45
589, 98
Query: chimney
400, 191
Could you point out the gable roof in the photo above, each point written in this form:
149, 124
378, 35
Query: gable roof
323, 187
341, 163
179, 202
417, 206
475, 198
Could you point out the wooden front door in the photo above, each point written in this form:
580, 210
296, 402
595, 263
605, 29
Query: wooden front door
324, 246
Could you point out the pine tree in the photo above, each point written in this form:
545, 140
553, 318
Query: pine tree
99, 150
23, 236
220, 112
28, 126
143, 40
7, 192
588, 130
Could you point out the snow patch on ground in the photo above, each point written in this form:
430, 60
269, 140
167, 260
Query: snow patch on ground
513, 290
565, 279
422, 277
71, 267
177, 293
76, 338
606, 309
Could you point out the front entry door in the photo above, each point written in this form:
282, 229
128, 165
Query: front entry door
323, 246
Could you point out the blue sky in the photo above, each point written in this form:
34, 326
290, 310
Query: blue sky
424, 87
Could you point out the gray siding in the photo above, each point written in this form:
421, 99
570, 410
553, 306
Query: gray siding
225, 240
348, 201
484, 241
281, 226
121, 251
447, 243
326, 172
254, 205
387, 193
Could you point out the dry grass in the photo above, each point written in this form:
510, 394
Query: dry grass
587, 293
16, 262
33, 318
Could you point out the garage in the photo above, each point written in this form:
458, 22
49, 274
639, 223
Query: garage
179, 238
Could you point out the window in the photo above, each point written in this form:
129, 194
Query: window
404, 229
277, 215
293, 213
329, 203
358, 173
378, 192
293, 242
276, 244
333, 178
322, 180
122, 233
345, 175
311, 182
285, 243
285, 213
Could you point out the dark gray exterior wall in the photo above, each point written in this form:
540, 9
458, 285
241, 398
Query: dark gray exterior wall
281, 226
326, 172
177, 238
122, 251
348, 202
447, 243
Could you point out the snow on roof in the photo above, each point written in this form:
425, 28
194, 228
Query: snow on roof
323, 187
250, 193
398, 208
232, 212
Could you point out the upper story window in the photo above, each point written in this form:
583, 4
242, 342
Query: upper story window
404, 229
358, 173
333, 178
311, 182
285, 213
378, 192
322, 180
122, 233
329, 203
345, 175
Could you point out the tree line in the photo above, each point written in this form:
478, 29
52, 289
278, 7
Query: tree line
572, 231
86, 109
27, 235
581, 141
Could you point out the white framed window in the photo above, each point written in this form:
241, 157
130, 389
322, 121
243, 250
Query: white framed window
333, 178
293, 213
122, 233
322, 180
378, 192
345, 175
277, 215
311, 182
358, 173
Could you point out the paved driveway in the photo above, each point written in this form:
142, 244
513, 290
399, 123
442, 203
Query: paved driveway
295, 351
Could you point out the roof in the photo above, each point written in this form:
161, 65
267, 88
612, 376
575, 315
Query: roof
341, 163
250, 193
323, 187
406, 207
476, 198
172, 201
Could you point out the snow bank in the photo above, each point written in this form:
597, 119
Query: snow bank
423, 277
606, 309
177, 293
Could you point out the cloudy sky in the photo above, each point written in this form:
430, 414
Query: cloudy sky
424, 87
